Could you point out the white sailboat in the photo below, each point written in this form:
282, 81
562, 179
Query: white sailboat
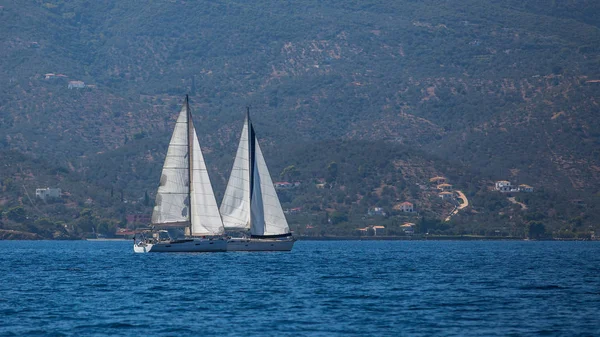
250, 204
185, 198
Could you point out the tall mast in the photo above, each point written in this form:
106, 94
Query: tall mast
189, 150
251, 159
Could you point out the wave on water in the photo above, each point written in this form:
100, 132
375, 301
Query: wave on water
320, 288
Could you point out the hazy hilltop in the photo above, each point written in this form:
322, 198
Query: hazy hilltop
482, 90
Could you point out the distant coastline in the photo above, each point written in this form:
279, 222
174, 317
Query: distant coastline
404, 238
8, 235
427, 238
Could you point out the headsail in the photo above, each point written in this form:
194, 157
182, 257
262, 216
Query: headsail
235, 207
267, 215
206, 219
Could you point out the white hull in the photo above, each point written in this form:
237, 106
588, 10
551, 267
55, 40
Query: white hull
259, 245
182, 246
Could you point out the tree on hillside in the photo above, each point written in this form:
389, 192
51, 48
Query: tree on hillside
332, 172
536, 230
86, 222
7, 185
146, 198
338, 217
44, 222
17, 214
106, 227
47, 228
289, 173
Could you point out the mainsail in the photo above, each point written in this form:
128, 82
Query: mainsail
184, 163
172, 197
250, 201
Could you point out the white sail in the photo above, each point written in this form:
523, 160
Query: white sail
251, 202
235, 207
205, 216
267, 214
173, 192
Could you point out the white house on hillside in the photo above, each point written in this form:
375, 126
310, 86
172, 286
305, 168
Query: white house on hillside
525, 188
503, 186
76, 84
376, 211
44, 193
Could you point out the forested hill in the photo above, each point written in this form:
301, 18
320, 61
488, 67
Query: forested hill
499, 89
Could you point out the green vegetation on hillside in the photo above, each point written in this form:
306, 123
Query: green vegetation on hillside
478, 90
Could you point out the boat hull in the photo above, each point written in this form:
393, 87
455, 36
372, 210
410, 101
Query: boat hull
259, 245
182, 246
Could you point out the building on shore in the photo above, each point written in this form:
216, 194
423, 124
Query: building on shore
138, 219
408, 228
378, 230
372, 230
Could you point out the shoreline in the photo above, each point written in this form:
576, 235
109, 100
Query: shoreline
404, 238
335, 238
426, 238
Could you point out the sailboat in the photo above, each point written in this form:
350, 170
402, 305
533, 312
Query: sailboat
250, 204
185, 199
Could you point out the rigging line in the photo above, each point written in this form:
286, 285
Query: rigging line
32, 204
189, 149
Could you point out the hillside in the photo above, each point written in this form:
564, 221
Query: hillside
496, 89
338, 184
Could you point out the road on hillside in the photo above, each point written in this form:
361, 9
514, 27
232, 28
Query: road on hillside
462, 196
465, 203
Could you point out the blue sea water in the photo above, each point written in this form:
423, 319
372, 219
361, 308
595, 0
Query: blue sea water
321, 288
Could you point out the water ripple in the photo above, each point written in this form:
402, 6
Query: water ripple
320, 289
